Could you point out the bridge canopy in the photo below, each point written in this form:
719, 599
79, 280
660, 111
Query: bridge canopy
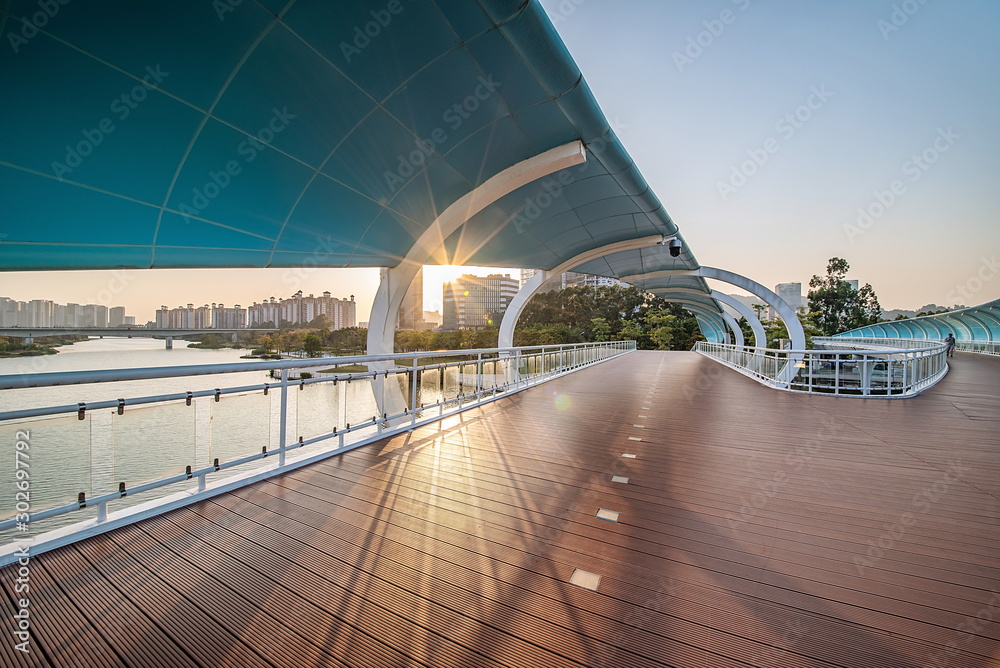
976, 324
308, 133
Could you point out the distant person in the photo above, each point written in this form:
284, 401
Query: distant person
950, 340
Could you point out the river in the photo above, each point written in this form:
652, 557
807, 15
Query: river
66, 455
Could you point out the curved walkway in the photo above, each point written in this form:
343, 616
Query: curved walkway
755, 528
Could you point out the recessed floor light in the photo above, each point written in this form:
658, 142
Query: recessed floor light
639, 426
585, 579
609, 515
628, 455
634, 438
619, 478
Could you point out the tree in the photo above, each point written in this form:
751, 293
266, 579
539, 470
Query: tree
600, 329
867, 310
836, 306
312, 344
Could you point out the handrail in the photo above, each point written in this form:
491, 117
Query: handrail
396, 398
898, 370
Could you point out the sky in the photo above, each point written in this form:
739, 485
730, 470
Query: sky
777, 135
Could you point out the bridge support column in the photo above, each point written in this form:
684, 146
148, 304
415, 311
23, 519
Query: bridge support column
170, 343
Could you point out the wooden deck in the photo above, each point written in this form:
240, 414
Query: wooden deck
756, 528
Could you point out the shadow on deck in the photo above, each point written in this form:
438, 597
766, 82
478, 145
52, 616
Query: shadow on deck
756, 528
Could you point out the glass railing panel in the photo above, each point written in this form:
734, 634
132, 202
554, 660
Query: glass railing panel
42, 447
153, 442
360, 402
395, 394
430, 388
241, 424
469, 379
50, 463
318, 409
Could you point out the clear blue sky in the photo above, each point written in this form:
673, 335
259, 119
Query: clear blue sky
688, 117
881, 94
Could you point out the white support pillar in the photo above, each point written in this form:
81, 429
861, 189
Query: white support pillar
170, 343
527, 291
786, 312
396, 280
759, 337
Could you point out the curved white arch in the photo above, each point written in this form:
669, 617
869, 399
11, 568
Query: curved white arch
727, 319
528, 290
706, 323
759, 337
786, 312
735, 326
714, 318
396, 280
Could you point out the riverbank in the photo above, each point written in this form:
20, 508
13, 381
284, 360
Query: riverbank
12, 347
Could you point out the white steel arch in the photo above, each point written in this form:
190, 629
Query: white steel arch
759, 337
786, 312
534, 284
396, 280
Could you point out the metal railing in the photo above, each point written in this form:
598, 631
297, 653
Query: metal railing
980, 347
854, 368
92, 459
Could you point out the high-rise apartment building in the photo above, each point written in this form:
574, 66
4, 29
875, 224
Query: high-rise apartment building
226, 318
477, 302
301, 309
116, 316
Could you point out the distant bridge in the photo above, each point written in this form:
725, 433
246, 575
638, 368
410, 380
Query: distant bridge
29, 334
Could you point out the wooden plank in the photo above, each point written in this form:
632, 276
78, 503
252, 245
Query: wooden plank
757, 528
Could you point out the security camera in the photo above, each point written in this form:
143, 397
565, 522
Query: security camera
675, 247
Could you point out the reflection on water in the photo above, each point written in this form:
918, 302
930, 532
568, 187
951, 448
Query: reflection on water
145, 443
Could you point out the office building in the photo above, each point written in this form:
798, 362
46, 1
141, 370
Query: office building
477, 302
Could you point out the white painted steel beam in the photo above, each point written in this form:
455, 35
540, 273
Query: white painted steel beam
396, 280
785, 312
528, 290
759, 337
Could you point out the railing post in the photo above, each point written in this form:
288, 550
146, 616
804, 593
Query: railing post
283, 425
413, 393
479, 377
